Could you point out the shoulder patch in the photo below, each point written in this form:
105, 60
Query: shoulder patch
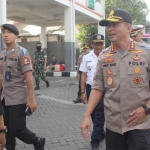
24, 51
148, 47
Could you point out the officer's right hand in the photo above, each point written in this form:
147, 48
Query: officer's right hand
83, 98
2, 141
85, 127
32, 105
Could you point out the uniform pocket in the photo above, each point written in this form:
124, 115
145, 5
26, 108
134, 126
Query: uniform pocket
138, 76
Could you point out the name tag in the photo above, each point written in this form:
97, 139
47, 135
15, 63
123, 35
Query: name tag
13, 59
136, 63
109, 65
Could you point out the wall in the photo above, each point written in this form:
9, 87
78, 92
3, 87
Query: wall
53, 48
57, 49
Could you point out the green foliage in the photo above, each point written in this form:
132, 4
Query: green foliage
137, 8
86, 31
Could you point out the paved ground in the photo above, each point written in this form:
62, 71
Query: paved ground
58, 118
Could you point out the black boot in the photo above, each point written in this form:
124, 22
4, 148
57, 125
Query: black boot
78, 100
37, 87
39, 145
47, 84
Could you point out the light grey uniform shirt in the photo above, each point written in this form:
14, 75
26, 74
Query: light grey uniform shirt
17, 61
125, 77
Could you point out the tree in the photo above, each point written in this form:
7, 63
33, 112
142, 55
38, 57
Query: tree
137, 8
86, 31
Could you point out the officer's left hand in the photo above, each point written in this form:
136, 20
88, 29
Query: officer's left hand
136, 117
32, 104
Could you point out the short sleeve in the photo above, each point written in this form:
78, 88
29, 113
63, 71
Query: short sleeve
83, 67
45, 55
98, 80
25, 61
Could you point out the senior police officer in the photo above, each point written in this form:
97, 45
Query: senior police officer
123, 71
136, 33
17, 90
39, 64
85, 50
88, 67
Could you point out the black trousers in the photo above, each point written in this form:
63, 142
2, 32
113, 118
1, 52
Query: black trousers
98, 119
15, 120
131, 140
79, 92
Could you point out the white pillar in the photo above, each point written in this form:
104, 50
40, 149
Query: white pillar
69, 23
2, 19
43, 38
101, 30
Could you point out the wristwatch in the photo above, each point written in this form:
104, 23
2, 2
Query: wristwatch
4, 130
147, 110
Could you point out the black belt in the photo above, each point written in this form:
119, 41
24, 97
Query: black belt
88, 85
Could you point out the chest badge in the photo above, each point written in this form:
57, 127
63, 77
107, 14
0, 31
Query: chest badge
137, 70
136, 57
137, 80
110, 81
109, 60
89, 68
136, 51
108, 55
109, 72
13, 55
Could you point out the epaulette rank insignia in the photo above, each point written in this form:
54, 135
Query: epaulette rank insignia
132, 45
112, 50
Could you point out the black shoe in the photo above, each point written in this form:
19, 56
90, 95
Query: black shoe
78, 100
47, 84
37, 88
40, 144
103, 136
95, 148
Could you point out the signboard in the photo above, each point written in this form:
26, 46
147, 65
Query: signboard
91, 4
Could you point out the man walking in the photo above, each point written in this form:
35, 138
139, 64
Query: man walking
39, 64
88, 68
123, 72
78, 76
17, 90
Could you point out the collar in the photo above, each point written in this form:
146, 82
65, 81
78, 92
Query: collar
93, 54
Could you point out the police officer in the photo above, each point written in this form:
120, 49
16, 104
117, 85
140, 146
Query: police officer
88, 67
136, 33
78, 76
123, 72
18, 90
39, 64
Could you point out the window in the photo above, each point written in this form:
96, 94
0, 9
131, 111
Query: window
91, 4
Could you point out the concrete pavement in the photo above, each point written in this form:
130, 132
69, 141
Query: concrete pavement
57, 118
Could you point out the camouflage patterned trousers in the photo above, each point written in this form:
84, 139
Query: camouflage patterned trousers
39, 73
